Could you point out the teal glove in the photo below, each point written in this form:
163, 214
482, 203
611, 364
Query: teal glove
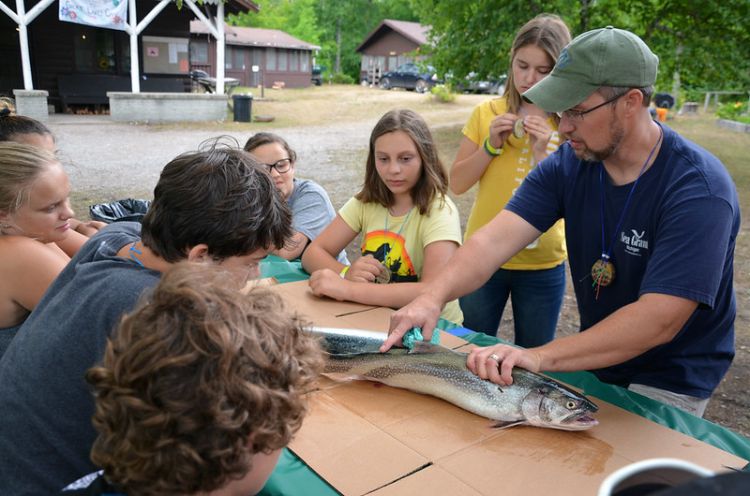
415, 334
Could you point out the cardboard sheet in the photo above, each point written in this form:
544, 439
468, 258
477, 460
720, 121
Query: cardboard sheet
367, 438
356, 455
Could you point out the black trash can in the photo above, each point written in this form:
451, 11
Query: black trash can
243, 107
664, 100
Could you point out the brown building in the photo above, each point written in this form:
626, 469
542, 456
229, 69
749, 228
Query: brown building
277, 56
79, 64
388, 46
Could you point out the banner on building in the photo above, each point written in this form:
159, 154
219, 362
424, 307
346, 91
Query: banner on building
110, 14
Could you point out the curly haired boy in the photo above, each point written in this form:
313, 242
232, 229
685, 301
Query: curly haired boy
199, 389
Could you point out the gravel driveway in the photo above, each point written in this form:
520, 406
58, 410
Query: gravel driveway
110, 159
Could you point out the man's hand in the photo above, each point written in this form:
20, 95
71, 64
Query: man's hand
496, 362
423, 312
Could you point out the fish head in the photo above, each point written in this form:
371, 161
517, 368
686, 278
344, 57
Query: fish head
552, 406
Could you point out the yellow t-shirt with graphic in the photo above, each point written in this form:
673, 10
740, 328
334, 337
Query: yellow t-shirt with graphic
501, 179
399, 242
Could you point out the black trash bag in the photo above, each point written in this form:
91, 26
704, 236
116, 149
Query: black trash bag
128, 209
664, 100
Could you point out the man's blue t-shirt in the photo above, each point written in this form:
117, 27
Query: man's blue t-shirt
677, 237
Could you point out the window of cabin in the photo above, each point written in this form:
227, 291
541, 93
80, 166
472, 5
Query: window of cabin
304, 61
199, 53
270, 59
283, 55
294, 61
94, 50
234, 58
228, 57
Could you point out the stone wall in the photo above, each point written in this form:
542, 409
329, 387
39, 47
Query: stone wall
32, 103
740, 127
167, 107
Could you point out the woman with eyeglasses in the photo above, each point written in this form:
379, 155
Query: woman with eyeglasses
311, 208
503, 140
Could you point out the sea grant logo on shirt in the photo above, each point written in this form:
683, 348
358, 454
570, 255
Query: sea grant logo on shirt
634, 242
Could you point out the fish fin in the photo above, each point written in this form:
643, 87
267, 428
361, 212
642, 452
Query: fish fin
344, 376
427, 347
503, 424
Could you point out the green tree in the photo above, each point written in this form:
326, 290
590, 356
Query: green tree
337, 26
476, 36
701, 45
296, 17
346, 23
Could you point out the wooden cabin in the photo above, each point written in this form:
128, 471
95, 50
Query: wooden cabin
278, 58
79, 64
388, 46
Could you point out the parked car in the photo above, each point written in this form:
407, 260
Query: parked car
489, 86
410, 76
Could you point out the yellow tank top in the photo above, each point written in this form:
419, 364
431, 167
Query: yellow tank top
501, 179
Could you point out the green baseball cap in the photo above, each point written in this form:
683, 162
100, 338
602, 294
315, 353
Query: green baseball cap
602, 57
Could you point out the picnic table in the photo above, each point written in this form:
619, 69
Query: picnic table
293, 477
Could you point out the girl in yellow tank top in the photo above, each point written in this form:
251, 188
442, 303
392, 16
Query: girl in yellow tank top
503, 140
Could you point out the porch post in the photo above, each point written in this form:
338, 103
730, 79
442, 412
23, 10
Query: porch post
23, 36
218, 32
135, 82
220, 51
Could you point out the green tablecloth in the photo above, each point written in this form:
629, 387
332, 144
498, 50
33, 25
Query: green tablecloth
293, 477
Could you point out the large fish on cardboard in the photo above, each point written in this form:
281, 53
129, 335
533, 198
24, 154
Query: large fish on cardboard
532, 399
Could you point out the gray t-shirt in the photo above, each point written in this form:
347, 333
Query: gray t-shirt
45, 403
311, 210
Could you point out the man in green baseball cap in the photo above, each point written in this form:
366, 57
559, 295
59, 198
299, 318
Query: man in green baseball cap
603, 57
650, 222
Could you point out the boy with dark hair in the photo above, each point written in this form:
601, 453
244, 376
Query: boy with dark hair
199, 390
216, 206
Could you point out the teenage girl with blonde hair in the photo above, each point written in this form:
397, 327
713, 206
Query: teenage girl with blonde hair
503, 140
34, 216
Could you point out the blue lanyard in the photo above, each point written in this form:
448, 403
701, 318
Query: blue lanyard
388, 245
607, 252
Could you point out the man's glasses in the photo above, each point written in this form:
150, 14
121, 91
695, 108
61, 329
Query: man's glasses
577, 115
281, 166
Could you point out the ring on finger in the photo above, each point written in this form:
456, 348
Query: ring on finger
494, 357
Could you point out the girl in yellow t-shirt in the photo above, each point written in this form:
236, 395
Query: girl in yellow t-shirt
410, 228
503, 140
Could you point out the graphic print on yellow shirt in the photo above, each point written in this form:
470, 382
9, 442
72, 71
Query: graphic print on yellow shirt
389, 247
